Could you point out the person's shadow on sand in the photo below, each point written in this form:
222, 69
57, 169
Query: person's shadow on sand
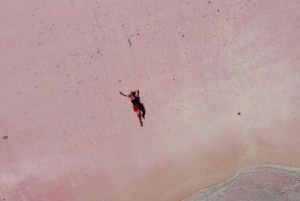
142, 109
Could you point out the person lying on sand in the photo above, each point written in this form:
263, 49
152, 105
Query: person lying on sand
135, 100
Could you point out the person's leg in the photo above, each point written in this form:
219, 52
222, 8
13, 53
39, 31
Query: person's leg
139, 117
141, 114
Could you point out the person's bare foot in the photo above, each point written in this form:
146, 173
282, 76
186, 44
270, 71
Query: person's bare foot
141, 124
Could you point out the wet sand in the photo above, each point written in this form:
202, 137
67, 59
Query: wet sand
268, 182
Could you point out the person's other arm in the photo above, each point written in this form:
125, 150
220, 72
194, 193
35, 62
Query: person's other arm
136, 93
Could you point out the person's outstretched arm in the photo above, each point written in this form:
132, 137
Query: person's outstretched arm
122, 94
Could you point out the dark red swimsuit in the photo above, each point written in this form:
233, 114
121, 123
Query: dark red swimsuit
136, 104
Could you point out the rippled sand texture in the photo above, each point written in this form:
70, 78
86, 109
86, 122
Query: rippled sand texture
220, 81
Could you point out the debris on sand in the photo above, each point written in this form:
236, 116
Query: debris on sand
128, 42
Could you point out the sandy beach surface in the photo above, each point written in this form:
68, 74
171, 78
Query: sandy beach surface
220, 82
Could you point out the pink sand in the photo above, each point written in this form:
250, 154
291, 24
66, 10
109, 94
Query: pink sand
197, 64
